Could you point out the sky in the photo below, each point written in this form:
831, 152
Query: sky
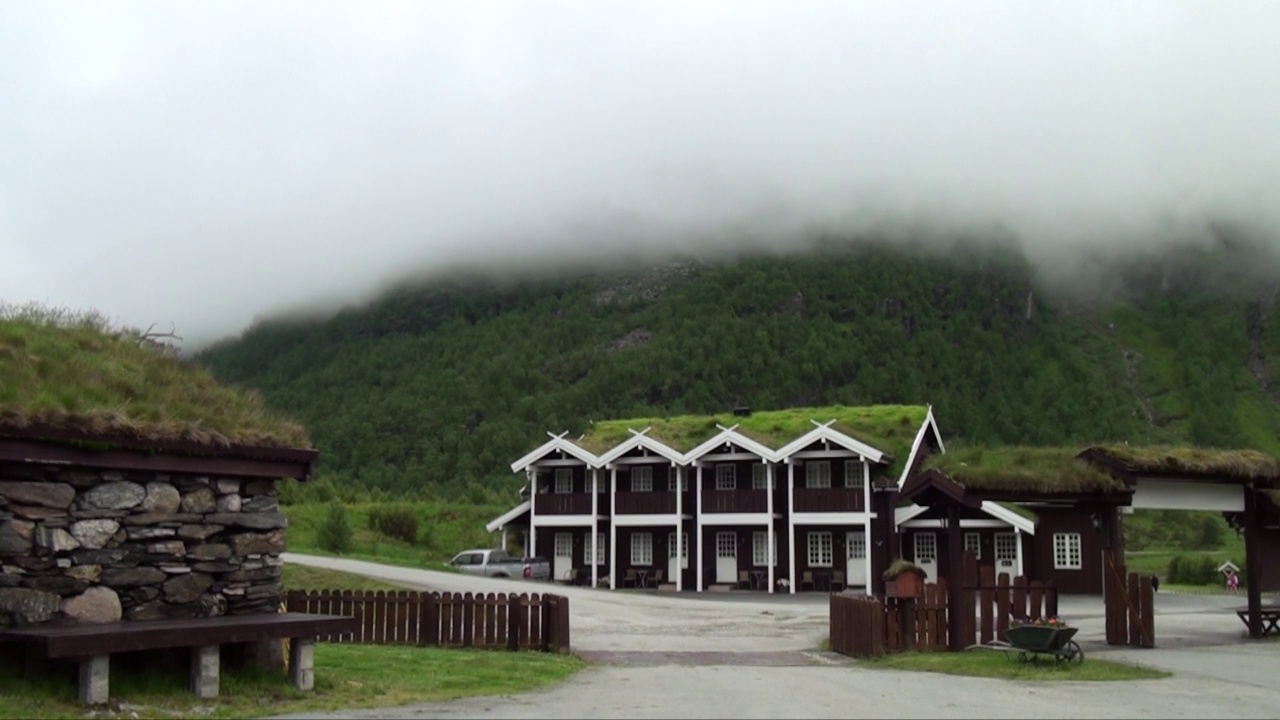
201, 165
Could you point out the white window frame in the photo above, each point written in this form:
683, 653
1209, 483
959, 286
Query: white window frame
684, 549
925, 552
820, 549
1006, 545
671, 480
853, 478
642, 549
760, 548
856, 541
586, 551
1067, 553
563, 481
641, 479
726, 476
759, 476
973, 541
817, 475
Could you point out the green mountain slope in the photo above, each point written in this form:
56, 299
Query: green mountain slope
437, 387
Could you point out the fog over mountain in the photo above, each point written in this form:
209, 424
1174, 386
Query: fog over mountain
208, 164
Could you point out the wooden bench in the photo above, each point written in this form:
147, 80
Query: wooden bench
1270, 618
92, 645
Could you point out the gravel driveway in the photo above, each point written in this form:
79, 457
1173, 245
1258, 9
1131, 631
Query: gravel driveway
750, 656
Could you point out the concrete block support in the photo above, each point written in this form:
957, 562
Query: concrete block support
95, 679
205, 671
302, 663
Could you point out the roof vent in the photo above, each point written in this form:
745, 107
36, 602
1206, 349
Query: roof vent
741, 410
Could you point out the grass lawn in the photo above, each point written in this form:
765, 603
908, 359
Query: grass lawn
347, 676
992, 664
302, 577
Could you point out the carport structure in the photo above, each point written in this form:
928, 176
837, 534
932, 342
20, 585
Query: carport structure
1102, 479
1236, 483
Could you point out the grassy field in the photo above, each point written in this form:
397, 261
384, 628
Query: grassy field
990, 664
347, 676
444, 531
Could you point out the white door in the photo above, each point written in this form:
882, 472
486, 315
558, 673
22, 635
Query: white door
927, 554
564, 555
674, 564
726, 557
1006, 555
855, 564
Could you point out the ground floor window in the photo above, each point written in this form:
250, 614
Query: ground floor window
760, 548
1006, 547
641, 549
820, 549
973, 541
603, 553
1066, 551
684, 548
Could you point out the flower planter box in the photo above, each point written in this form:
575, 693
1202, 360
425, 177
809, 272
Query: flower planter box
907, 584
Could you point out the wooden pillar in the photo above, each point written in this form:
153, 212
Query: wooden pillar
771, 538
613, 528
680, 548
955, 579
791, 525
595, 525
1253, 561
697, 523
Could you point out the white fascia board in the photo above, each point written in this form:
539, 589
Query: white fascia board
736, 438
736, 518
825, 433
833, 518
638, 441
928, 424
1008, 516
903, 514
505, 519
655, 519
553, 445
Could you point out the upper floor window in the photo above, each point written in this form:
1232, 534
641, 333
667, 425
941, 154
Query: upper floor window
853, 475
672, 475
726, 477
759, 476
641, 479
817, 474
564, 480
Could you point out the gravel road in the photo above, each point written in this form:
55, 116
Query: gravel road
753, 657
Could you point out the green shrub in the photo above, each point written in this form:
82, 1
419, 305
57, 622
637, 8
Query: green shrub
1193, 570
394, 521
334, 534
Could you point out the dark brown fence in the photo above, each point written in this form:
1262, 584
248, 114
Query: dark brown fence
1130, 600
495, 620
865, 626
857, 626
994, 603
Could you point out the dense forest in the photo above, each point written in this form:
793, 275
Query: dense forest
432, 389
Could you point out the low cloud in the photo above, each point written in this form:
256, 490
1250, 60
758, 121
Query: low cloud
208, 164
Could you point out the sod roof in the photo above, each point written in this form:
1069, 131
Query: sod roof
1029, 470
889, 428
74, 374
1239, 464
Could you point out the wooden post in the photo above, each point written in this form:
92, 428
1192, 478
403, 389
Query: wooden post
513, 622
1253, 562
1147, 605
955, 574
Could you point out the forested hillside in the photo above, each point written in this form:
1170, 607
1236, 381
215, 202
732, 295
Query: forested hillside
437, 386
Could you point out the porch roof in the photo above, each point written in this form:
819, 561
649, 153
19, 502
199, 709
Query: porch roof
1232, 466
508, 517
970, 476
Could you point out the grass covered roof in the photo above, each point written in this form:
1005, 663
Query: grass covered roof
1032, 470
889, 428
75, 373
1164, 459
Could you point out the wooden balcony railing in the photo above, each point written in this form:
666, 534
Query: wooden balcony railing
829, 500
735, 501
646, 503
565, 503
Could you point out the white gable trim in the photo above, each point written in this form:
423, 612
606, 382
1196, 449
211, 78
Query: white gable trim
928, 424
639, 440
556, 443
730, 434
505, 519
825, 432
1009, 516
903, 514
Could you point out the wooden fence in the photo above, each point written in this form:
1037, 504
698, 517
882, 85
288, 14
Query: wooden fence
863, 626
1130, 602
495, 620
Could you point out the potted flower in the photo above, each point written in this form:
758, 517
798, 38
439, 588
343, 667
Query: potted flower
904, 579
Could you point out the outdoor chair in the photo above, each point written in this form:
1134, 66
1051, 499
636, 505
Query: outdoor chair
629, 580
657, 577
837, 578
806, 578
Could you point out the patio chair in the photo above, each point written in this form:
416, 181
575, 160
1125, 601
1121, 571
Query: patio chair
744, 577
806, 578
837, 578
657, 577
629, 580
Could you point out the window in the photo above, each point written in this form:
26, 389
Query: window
586, 552
759, 476
1066, 551
857, 546
972, 541
853, 475
641, 549
1006, 547
671, 479
820, 549
684, 548
760, 548
926, 546
642, 479
726, 477
817, 474
564, 480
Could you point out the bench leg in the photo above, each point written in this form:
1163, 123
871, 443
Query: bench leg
95, 679
205, 671
302, 663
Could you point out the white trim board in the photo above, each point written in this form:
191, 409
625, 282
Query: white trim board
736, 518
833, 518
662, 519
505, 519
566, 520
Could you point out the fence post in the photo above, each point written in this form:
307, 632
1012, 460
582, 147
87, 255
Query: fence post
513, 622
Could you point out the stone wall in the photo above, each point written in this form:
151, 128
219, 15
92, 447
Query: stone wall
89, 546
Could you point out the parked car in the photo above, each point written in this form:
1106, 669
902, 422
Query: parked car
497, 563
